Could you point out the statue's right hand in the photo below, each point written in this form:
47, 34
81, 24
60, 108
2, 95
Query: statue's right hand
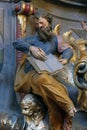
37, 52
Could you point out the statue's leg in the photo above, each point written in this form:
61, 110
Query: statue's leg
54, 95
72, 90
49, 87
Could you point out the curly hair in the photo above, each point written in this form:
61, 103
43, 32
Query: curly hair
42, 13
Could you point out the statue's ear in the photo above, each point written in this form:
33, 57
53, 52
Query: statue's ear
56, 29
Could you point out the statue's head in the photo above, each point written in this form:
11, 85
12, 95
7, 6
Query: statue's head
31, 106
44, 25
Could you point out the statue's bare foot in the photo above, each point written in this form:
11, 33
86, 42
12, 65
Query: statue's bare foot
72, 112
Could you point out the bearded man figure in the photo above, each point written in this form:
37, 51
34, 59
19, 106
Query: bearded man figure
54, 94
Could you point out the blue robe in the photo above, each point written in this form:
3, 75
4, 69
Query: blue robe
48, 47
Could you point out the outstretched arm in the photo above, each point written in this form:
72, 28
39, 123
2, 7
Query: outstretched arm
22, 45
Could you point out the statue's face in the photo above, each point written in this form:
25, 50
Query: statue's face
44, 29
29, 106
32, 109
27, 110
42, 22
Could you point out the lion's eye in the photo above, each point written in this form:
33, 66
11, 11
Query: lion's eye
25, 109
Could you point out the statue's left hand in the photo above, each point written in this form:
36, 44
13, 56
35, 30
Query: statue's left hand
63, 61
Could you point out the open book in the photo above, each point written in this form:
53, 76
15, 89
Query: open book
51, 64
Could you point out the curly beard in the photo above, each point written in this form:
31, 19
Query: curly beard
45, 34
